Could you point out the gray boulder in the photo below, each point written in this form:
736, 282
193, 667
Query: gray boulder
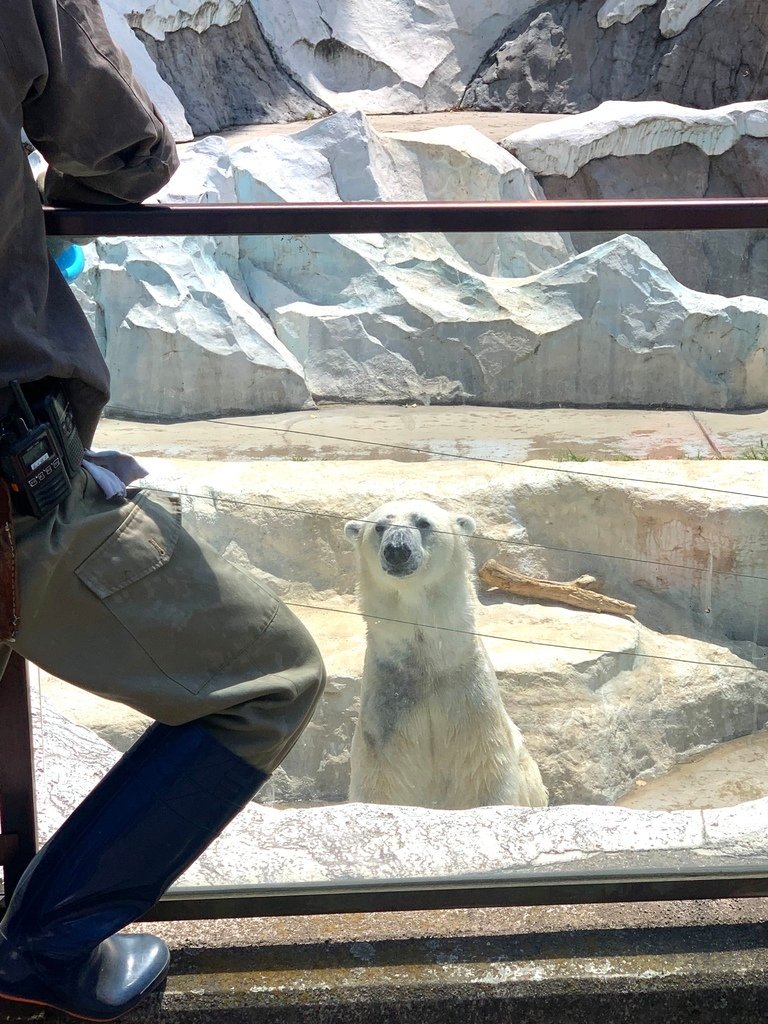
652, 150
227, 75
726, 262
557, 59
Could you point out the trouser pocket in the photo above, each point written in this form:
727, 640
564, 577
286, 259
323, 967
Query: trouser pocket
189, 610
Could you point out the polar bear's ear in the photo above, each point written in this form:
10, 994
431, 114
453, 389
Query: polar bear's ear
352, 530
466, 525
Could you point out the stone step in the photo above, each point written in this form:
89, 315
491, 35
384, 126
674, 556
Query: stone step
703, 962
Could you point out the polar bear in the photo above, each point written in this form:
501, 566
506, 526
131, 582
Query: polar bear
432, 731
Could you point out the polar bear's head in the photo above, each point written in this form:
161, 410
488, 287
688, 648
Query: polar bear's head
410, 538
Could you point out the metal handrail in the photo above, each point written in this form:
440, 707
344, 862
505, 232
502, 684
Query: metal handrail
365, 218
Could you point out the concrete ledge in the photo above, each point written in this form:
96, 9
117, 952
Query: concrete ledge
697, 962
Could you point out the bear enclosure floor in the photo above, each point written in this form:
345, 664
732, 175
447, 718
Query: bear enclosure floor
494, 125
414, 433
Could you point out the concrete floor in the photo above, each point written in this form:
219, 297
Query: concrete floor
418, 432
702, 962
495, 125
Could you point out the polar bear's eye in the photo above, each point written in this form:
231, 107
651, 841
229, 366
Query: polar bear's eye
422, 523
379, 528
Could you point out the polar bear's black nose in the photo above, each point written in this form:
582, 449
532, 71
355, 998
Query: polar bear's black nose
397, 553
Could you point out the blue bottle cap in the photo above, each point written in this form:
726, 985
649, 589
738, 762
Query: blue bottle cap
71, 262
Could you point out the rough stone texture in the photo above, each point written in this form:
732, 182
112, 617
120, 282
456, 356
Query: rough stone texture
197, 290
504, 319
725, 262
172, 319
562, 146
156, 17
603, 701
234, 61
357, 841
657, 151
609, 327
227, 75
343, 159
557, 59
161, 94
621, 11
385, 57
181, 341
676, 15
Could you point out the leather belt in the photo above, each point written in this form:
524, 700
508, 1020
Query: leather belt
9, 583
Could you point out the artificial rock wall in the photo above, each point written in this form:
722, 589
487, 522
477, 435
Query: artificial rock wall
267, 324
214, 63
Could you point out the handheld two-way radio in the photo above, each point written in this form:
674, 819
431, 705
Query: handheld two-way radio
36, 459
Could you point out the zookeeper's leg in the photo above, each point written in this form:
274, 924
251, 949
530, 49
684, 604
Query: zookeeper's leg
123, 602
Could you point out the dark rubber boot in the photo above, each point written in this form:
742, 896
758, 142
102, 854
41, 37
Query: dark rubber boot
147, 820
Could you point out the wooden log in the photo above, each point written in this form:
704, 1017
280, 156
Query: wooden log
589, 583
578, 593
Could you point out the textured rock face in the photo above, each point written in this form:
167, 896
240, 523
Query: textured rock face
621, 11
194, 298
390, 58
676, 15
394, 57
563, 146
240, 61
609, 327
145, 70
183, 326
365, 320
726, 262
337, 843
157, 17
226, 75
557, 58
655, 151
171, 318
502, 319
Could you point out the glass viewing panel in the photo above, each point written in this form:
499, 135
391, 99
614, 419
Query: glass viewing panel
573, 429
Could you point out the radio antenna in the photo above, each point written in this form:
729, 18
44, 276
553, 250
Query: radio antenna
23, 404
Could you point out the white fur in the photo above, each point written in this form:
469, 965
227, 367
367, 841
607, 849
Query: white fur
433, 731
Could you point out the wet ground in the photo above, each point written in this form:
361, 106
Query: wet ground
415, 433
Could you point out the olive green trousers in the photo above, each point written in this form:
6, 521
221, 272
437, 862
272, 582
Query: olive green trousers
117, 598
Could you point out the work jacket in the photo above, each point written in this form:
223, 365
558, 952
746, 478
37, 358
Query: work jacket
72, 90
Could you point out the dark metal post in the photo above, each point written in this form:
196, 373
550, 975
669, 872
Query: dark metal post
18, 840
